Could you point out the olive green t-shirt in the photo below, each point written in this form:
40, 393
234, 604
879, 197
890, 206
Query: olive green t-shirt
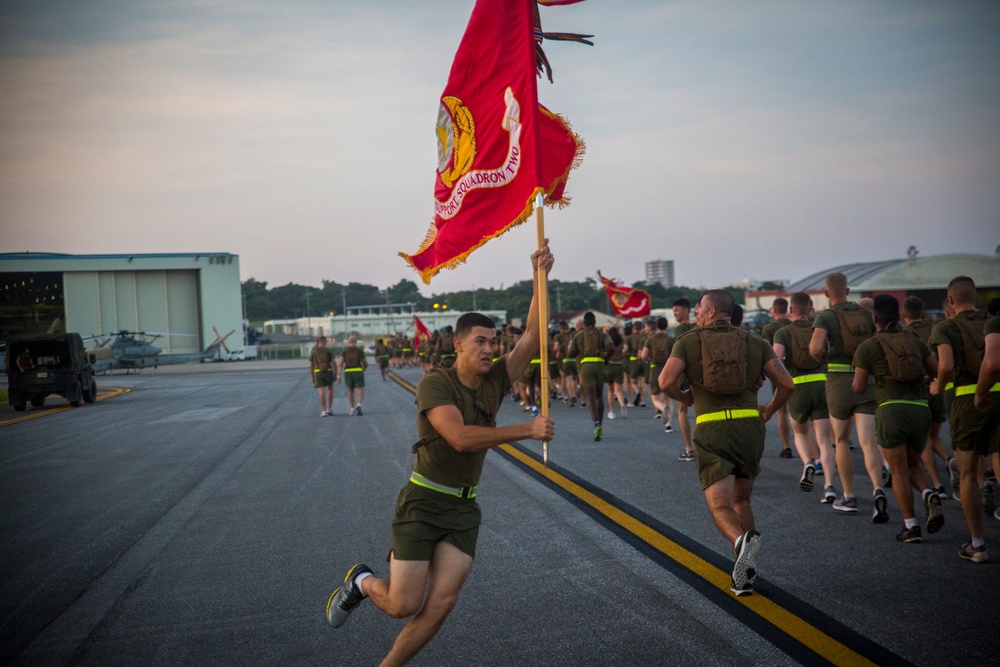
923, 330
771, 328
562, 339
992, 325
321, 358
656, 338
946, 332
828, 322
783, 337
688, 349
576, 345
682, 329
871, 357
634, 341
438, 461
618, 354
353, 357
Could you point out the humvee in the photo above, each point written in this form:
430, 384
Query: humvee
53, 364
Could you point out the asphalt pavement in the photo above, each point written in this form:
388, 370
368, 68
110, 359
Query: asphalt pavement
203, 518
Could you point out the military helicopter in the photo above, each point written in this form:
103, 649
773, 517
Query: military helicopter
132, 350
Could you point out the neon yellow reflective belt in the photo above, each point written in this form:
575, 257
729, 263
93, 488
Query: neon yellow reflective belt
815, 377
322, 370
631, 358
902, 402
407, 349
354, 370
725, 415
949, 386
839, 368
536, 361
569, 361
463, 492
967, 389
448, 354
592, 360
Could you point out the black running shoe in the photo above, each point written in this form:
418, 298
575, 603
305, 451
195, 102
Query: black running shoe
910, 535
881, 513
806, 483
786, 453
745, 568
346, 599
935, 519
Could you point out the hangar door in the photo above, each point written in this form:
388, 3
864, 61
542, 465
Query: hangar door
158, 302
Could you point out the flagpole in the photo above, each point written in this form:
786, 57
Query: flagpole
543, 319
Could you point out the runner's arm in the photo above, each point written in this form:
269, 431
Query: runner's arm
946, 365
528, 346
669, 377
989, 372
860, 383
783, 388
447, 421
817, 344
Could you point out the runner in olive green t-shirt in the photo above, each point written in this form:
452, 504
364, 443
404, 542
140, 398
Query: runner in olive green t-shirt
591, 363
437, 519
353, 363
729, 431
323, 375
682, 313
779, 311
903, 418
845, 406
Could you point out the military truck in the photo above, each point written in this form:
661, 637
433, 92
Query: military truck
43, 365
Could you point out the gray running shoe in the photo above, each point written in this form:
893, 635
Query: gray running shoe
829, 495
953, 475
745, 568
846, 505
988, 496
685, 456
345, 599
910, 535
935, 518
975, 554
806, 483
881, 514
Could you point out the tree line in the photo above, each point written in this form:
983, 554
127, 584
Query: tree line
293, 300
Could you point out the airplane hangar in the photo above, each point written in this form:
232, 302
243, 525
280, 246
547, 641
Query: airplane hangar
189, 296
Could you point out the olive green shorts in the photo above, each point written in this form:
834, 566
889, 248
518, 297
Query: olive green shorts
724, 448
592, 374
899, 424
614, 373
383, 361
354, 379
841, 400
569, 368
808, 401
323, 378
971, 429
636, 369
654, 378
425, 517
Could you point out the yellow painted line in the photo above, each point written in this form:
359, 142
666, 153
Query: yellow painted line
112, 393
806, 633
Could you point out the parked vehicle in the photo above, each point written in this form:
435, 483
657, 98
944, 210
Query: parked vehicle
43, 365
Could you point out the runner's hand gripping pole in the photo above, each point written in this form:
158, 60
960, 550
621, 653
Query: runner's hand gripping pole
542, 284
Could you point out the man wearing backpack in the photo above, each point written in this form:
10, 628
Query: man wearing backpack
682, 314
446, 347
725, 366
900, 362
960, 343
353, 363
844, 325
437, 519
592, 347
807, 406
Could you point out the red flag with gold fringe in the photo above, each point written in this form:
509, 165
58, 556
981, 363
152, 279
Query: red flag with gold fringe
497, 146
626, 301
421, 332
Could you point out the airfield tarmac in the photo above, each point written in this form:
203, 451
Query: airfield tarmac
204, 516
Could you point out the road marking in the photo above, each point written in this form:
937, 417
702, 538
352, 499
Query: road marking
112, 392
762, 611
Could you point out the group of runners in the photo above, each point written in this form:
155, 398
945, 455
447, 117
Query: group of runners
888, 377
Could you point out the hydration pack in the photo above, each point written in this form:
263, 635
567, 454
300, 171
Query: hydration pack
902, 352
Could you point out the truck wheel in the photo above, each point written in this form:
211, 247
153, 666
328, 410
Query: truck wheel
19, 407
90, 394
38, 401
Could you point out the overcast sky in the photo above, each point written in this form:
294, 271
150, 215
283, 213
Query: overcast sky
761, 140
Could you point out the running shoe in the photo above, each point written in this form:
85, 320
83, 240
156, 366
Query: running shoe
658, 414
598, 432
953, 475
534, 410
635, 403
819, 467
745, 551
642, 405
324, 413
975, 554
846, 505
881, 513
352, 412
611, 414
667, 428
910, 535
786, 453
738, 590
988, 495
829, 495
806, 483
935, 519
941, 492
346, 599
572, 401
358, 410
686, 456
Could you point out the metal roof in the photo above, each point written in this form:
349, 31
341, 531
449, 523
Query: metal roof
931, 272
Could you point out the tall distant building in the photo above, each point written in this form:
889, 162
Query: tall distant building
660, 271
